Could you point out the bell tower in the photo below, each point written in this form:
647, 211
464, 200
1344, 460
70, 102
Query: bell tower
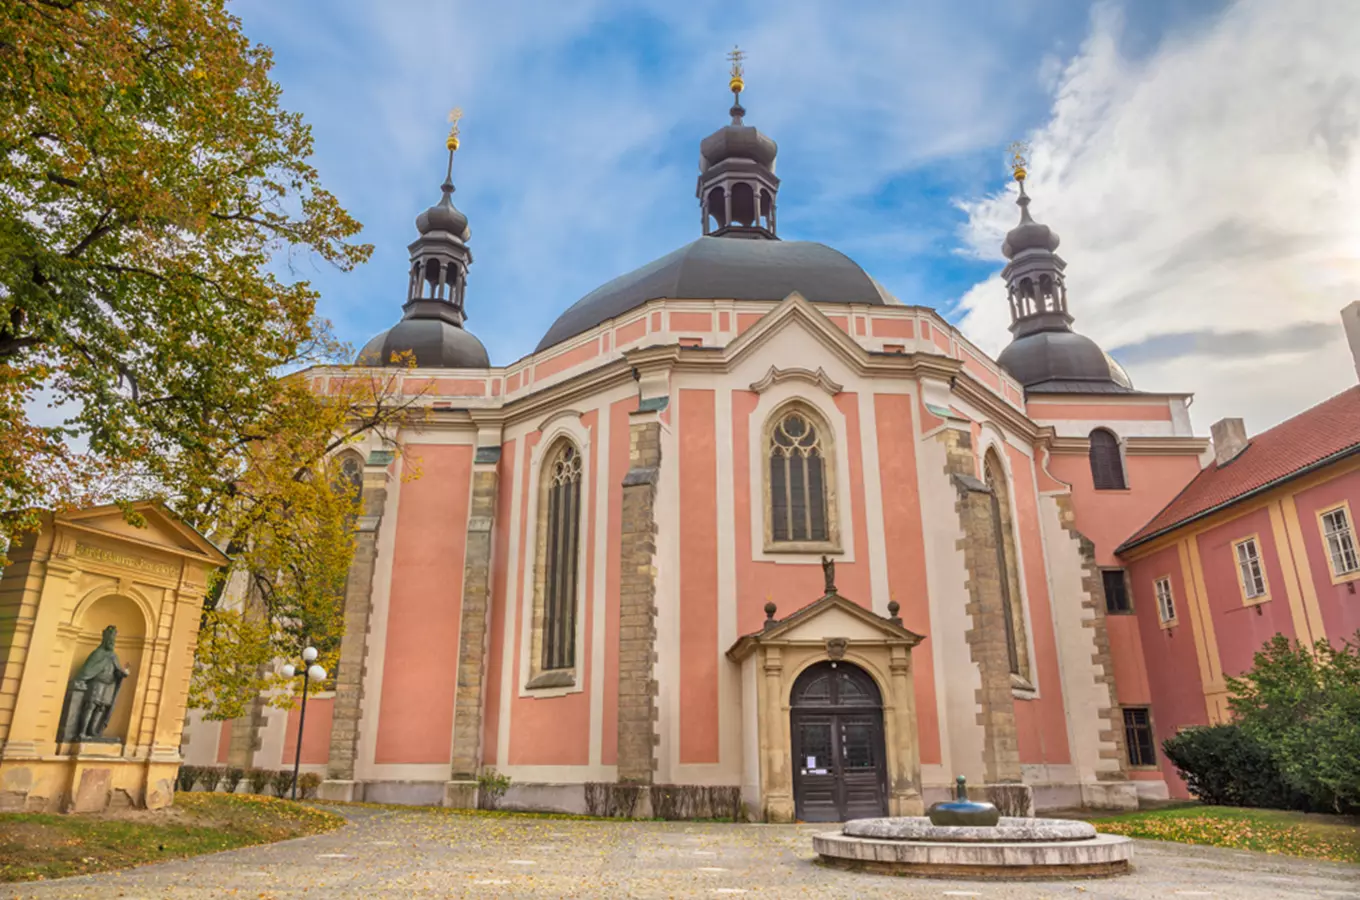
737, 185
440, 256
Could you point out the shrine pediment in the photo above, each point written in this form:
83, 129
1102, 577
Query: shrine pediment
162, 530
831, 618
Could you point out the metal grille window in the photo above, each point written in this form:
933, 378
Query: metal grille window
1249, 567
1107, 465
1138, 737
1336, 528
798, 496
1166, 604
1116, 591
562, 556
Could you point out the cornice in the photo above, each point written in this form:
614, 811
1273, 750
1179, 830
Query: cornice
807, 376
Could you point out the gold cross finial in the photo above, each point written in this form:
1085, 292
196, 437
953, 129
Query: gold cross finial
454, 115
1019, 160
736, 83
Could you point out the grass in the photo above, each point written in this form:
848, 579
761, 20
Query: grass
1307, 835
39, 846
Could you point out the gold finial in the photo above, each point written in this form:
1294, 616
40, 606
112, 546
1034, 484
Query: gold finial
454, 115
736, 56
1019, 160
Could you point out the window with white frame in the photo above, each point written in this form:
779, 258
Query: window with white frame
1249, 568
1336, 529
1166, 604
798, 479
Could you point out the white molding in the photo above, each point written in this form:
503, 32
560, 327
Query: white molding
777, 375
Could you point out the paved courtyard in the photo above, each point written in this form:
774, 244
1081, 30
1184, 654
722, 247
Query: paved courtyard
385, 853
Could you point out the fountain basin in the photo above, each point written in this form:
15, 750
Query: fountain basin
919, 828
1013, 849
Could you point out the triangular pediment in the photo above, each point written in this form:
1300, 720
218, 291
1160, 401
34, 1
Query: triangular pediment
794, 311
163, 530
833, 616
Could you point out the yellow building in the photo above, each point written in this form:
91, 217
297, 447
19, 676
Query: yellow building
66, 585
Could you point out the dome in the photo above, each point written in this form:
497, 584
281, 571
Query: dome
740, 142
435, 342
724, 268
1063, 362
1029, 234
444, 216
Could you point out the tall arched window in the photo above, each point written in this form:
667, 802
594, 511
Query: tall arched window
799, 476
1107, 465
560, 553
1017, 651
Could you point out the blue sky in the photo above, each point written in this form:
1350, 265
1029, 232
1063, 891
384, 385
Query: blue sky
582, 122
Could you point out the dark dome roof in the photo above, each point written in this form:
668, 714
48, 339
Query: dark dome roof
444, 216
725, 268
739, 141
1029, 234
1063, 362
437, 344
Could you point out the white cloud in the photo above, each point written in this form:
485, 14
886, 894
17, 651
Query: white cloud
1208, 198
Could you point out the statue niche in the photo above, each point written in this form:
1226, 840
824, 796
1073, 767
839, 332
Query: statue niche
92, 693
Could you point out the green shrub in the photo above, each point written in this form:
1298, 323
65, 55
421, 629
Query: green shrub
186, 778
209, 777
231, 778
1304, 704
1225, 766
257, 779
282, 782
614, 801
675, 802
491, 787
308, 782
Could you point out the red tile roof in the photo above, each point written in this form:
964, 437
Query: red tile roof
1330, 429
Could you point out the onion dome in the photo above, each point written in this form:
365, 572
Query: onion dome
1046, 355
737, 185
431, 330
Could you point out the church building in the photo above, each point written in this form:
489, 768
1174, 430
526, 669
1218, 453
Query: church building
742, 519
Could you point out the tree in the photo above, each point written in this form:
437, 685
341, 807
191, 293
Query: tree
1303, 703
150, 187
148, 178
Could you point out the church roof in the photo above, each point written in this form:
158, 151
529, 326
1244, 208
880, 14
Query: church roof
1314, 438
1061, 362
725, 268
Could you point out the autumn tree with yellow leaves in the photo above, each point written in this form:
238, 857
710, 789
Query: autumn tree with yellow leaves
148, 179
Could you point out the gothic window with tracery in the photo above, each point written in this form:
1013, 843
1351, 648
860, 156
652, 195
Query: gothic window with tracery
562, 530
798, 476
1017, 651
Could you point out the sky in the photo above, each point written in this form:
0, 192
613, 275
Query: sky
1200, 160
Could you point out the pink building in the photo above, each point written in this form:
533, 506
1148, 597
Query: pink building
1261, 542
610, 568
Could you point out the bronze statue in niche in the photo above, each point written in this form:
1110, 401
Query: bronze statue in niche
92, 693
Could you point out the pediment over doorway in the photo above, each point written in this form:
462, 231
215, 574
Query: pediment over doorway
832, 618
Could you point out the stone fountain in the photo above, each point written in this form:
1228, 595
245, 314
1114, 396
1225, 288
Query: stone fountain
964, 839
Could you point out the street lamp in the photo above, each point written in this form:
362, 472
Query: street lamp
311, 673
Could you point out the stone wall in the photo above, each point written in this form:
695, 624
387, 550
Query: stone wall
467, 714
637, 725
987, 637
349, 678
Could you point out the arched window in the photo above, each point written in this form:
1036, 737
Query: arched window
1017, 651
743, 204
1107, 465
560, 546
799, 476
349, 475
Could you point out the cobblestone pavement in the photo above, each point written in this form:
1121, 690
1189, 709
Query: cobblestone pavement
386, 853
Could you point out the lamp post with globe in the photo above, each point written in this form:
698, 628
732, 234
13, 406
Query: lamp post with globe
311, 672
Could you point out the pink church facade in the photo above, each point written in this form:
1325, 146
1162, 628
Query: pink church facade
742, 520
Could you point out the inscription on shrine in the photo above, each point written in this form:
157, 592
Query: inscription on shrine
127, 560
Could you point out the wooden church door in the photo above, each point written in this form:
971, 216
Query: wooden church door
839, 765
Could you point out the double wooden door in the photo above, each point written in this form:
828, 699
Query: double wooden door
839, 764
